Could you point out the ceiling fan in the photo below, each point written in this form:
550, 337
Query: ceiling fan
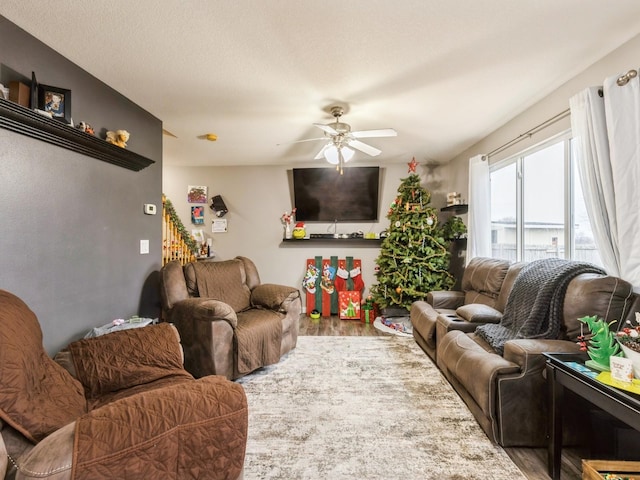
342, 141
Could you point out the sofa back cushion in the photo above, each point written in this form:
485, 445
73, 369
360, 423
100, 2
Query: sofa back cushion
225, 281
37, 396
609, 298
507, 285
483, 278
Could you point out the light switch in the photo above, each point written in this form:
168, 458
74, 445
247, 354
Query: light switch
144, 247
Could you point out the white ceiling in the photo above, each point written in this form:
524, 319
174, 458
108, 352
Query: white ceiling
259, 73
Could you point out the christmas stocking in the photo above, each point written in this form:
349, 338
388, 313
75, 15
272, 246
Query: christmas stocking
340, 282
310, 278
356, 276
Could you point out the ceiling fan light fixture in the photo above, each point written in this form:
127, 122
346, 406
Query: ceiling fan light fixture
347, 153
331, 155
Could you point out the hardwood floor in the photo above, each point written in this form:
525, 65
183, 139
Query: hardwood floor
532, 461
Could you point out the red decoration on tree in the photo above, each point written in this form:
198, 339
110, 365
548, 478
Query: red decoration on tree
412, 165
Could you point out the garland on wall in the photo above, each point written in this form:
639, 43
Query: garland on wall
189, 241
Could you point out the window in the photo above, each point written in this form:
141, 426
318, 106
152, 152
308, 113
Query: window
537, 207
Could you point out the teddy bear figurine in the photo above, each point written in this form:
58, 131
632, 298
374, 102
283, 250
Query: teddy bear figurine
119, 137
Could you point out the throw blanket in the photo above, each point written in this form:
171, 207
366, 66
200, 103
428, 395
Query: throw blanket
535, 304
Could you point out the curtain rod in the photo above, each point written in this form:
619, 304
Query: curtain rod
528, 134
622, 81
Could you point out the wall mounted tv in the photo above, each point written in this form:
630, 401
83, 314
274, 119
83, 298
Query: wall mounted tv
323, 195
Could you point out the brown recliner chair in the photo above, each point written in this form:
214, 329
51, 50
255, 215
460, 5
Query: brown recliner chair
122, 406
485, 285
507, 392
230, 323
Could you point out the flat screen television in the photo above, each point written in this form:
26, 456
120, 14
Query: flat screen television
323, 195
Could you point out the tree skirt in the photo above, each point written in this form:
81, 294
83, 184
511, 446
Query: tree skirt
351, 407
400, 326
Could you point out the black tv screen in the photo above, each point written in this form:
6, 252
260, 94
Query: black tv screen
323, 195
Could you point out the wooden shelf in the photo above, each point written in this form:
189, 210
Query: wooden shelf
21, 120
331, 242
457, 209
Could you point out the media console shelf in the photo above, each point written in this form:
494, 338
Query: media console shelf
331, 242
21, 120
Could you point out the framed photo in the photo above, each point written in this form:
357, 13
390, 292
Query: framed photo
197, 215
197, 194
56, 101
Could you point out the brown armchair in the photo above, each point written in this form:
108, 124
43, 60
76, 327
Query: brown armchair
230, 323
122, 406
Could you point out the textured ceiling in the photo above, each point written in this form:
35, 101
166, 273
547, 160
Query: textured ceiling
260, 73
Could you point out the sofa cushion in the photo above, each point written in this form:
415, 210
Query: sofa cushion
38, 395
607, 297
225, 281
482, 279
127, 358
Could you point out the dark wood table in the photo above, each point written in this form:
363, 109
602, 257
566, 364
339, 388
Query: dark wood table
567, 370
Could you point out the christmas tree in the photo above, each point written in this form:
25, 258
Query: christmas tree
414, 256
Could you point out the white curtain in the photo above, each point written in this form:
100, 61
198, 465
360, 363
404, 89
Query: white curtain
591, 146
479, 228
622, 108
608, 139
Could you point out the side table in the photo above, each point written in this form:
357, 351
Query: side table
567, 370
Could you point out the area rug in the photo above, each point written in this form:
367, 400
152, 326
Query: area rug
363, 408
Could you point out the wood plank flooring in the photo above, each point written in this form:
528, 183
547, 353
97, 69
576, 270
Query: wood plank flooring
532, 461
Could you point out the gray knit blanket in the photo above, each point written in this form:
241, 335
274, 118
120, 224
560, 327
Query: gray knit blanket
535, 304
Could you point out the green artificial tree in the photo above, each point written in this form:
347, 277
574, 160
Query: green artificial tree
414, 256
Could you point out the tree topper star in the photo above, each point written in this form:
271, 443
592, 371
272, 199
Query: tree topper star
412, 165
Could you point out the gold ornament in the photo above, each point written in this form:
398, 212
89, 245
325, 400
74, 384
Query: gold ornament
399, 290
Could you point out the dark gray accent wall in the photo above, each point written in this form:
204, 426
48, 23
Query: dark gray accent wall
71, 225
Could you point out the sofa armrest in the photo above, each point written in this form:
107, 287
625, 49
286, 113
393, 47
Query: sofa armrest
445, 299
274, 297
479, 313
528, 352
204, 309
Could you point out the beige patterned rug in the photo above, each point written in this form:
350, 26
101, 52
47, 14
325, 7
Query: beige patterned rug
363, 408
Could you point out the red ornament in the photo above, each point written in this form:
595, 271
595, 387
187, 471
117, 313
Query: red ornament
412, 165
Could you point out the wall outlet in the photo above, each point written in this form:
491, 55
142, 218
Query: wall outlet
144, 247
149, 209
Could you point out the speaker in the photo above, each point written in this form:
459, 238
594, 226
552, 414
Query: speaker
218, 206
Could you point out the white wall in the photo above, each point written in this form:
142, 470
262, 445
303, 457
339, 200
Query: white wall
618, 62
257, 196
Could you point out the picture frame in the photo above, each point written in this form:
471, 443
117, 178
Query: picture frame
56, 101
197, 215
197, 194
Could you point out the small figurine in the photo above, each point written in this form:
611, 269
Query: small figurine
85, 127
119, 138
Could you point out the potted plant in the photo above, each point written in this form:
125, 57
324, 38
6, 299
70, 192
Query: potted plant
454, 229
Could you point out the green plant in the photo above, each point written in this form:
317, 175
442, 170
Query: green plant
454, 228
629, 336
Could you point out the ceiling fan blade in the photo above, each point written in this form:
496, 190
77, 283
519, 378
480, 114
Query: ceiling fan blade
321, 152
327, 128
383, 132
300, 141
363, 147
